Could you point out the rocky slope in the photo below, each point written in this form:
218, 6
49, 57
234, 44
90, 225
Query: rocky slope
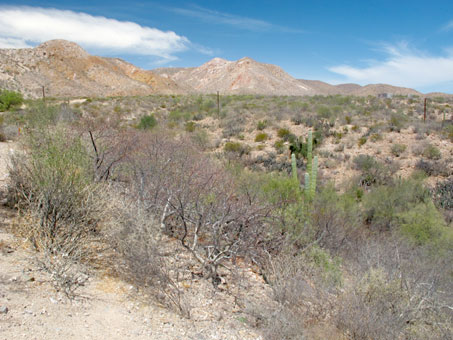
245, 76
65, 69
357, 90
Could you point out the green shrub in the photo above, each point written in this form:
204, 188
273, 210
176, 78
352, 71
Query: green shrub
362, 141
52, 185
372, 171
261, 137
443, 194
279, 145
9, 99
284, 134
384, 204
398, 149
431, 152
262, 124
375, 137
424, 225
190, 126
397, 121
147, 122
236, 147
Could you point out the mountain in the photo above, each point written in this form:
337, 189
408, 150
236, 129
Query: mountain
357, 90
65, 69
247, 76
244, 76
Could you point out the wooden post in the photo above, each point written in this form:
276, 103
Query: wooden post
218, 104
43, 93
424, 114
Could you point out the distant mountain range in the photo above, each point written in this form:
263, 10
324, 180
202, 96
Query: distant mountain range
66, 70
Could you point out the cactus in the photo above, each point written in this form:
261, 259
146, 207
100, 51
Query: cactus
313, 175
312, 170
294, 168
309, 151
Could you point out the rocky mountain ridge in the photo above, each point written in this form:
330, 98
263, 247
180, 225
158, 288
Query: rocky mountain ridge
64, 69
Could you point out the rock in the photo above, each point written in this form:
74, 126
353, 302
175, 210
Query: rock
3, 310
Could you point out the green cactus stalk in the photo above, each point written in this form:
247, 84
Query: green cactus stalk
294, 167
312, 170
307, 186
314, 174
309, 151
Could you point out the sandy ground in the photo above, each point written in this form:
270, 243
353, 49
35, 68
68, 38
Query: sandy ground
106, 308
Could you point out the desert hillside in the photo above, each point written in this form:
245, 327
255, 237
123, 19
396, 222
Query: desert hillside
65, 69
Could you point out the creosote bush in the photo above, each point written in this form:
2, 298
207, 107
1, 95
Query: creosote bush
9, 99
52, 186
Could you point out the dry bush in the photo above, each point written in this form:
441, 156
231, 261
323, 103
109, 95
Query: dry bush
51, 185
304, 287
400, 293
198, 202
146, 261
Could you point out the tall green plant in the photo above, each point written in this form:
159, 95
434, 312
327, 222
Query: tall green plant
312, 170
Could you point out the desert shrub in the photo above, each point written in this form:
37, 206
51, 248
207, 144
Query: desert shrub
362, 140
136, 236
431, 152
37, 115
261, 137
433, 168
236, 147
190, 126
443, 197
297, 119
334, 218
232, 127
375, 137
9, 99
177, 116
372, 171
424, 225
52, 187
398, 149
279, 145
262, 124
147, 122
284, 134
383, 205
397, 121
197, 202
201, 139
300, 300
443, 194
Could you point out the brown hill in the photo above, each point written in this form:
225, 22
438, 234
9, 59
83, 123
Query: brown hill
65, 69
244, 76
323, 88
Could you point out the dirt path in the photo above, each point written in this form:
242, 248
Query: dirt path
106, 309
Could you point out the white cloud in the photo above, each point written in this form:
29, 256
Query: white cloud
25, 26
402, 67
246, 23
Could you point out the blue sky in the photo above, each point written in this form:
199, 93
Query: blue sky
404, 43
